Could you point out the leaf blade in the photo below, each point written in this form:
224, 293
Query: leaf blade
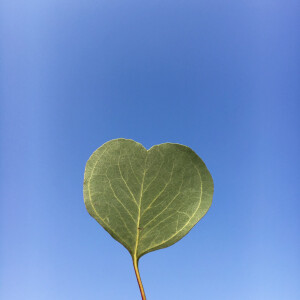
157, 196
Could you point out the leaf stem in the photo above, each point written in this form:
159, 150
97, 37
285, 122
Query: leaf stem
138, 277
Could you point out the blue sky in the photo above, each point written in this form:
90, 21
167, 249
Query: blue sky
221, 77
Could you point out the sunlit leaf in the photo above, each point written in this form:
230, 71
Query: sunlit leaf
146, 199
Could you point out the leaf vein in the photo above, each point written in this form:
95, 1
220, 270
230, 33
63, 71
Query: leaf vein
178, 193
93, 207
134, 200
155, 176
120, 200
159, 192
161, 243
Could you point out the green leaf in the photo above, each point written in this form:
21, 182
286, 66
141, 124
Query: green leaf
146, 199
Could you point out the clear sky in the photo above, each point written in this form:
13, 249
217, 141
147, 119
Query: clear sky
221, 77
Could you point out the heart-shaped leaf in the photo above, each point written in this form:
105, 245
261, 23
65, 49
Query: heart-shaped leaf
146, 199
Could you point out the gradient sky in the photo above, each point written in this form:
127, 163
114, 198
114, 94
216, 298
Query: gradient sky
221, 77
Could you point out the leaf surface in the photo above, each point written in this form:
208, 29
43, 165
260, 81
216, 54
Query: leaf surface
146, 199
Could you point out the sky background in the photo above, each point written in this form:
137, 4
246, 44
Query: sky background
221, 77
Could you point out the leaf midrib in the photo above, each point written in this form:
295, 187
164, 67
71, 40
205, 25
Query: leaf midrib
139, 211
